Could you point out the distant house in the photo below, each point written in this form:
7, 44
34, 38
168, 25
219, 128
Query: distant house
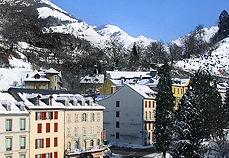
179, 88
129, 115
45, 79
116, 79
222, 89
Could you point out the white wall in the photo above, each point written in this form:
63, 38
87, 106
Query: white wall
15, 134
131, 116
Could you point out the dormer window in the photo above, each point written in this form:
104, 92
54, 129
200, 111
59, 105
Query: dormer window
37, 76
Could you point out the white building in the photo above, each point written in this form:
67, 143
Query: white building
129, 115
14, 128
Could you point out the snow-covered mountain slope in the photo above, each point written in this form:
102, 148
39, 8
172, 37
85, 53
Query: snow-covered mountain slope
99, 36
217, 63
208, 34
115, 33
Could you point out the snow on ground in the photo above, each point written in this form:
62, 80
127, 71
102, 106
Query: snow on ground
157, 155
46, 12
217, 63
132, 146
10, 77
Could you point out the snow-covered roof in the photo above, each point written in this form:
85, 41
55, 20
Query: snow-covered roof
126, 74
143, 90
36, 80
8, 105
99, 78
51, 71
59, 101
180, 82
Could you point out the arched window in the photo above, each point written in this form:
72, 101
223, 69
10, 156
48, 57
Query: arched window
98, 142
69, 145
85, 144
146, 115
77, 145
92, 143
150, 115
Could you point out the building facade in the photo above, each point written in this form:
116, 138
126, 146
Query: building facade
14, 128
128, 118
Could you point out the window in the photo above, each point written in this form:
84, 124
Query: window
8, 144
44, 116
150, 115
47, 127
47, 142
117, 124
84, 117
98, 142
8, 124
84, 130
49, 115
178, 90
117, 114
76, 131
22, 124
55, 141
153, 104
117, 135
39, 128
55, 154
8, 156
22, 142
117, 103
38, 156
68, 118
92, 143
98, 116
38, 115
56, 115
92, 117
76, 118
48, 155
55, 127
146, 115
22, 156
149, 104
39, 143
145, 104
68, 132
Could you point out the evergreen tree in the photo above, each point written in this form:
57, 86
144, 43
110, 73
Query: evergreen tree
134, 58
187, 136
226, 109
224, 23
164, 111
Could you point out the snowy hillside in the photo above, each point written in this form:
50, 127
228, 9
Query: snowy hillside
99, 36
217, 63
208, 34
116, 33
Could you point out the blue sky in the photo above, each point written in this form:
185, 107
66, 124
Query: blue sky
163, 20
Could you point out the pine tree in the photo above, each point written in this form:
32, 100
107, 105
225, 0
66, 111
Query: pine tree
187, 137
226, 109
164, 111
224, 23
134, 58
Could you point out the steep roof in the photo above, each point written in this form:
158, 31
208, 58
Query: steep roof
143, 90
126, 74
51, 71
8, 105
